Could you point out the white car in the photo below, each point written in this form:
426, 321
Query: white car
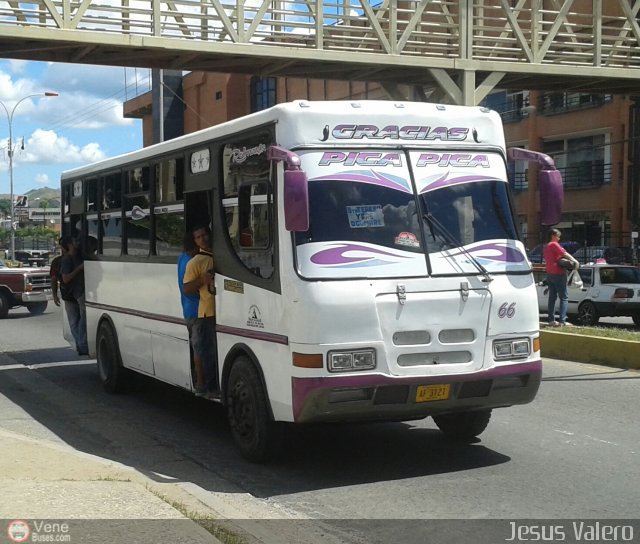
607, 290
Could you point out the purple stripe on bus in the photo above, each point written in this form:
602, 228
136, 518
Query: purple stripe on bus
445, 181
504, 253
302, 387
255, 335
371, 177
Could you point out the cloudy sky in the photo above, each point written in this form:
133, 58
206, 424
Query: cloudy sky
81, 125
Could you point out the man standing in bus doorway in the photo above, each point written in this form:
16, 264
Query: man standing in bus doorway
557, 278
54, 274
72, 292
190, 302
198, 278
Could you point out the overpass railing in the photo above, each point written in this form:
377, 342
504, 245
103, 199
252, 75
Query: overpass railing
582, 33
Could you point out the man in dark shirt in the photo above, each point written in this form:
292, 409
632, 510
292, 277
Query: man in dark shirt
72, 291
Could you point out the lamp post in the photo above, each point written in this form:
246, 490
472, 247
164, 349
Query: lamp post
10, 150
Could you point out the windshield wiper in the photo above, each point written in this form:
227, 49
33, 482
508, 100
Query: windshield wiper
432, 221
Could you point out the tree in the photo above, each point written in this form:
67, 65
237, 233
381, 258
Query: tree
5, 207
44, 205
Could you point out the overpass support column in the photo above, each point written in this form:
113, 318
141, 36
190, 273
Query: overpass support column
167, 108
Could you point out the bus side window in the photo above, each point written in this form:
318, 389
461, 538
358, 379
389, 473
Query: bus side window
110, 230
168, 209
137, 210
248, 204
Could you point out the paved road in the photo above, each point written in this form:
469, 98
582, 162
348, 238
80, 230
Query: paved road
573, 453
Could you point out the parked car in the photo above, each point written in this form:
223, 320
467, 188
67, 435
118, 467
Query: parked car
29, 287
596, 254
607, 290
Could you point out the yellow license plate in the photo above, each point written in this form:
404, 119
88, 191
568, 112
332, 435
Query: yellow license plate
428, 393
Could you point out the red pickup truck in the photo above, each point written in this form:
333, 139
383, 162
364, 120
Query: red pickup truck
29, 287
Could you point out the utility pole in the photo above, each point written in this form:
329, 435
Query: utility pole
10, 151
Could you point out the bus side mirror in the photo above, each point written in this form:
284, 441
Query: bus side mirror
551, 196
296, 201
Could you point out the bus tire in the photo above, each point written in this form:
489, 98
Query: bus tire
255, 434
113, 375
463, 425
36, 308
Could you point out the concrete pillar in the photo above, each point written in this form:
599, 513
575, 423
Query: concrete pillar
168, 106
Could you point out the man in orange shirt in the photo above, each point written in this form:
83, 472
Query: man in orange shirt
198, 278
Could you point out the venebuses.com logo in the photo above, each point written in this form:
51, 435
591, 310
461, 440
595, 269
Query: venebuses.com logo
18, 531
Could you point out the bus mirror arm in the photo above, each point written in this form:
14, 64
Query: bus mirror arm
296, 189
549, 183
291, 160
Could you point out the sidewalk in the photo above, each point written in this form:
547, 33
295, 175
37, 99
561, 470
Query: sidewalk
88, 498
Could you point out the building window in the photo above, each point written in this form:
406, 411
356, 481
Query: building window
583, 162
510, 106
263, 93
552, 103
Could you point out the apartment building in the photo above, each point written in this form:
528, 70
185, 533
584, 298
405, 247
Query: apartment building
592, 139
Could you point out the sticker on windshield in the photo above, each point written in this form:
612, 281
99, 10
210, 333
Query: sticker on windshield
361, 217
407, 239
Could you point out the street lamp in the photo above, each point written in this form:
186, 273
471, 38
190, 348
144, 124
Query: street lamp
10, 151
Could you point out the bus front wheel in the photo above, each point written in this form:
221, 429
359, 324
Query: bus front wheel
463, 425
255, 434
112, 374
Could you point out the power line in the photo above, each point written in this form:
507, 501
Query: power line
81, 116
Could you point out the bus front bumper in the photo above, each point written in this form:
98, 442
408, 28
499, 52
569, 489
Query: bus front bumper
377, 397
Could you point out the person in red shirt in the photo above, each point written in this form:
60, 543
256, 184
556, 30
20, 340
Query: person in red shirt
556, 278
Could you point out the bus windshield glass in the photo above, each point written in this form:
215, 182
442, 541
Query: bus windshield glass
461, 214
367, 221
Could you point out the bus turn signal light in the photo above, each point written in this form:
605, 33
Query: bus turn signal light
307, 360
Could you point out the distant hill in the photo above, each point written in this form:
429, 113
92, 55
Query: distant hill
38, 195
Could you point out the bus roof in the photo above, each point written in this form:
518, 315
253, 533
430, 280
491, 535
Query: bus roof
360, 123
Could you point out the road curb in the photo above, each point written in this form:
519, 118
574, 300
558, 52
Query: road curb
590, 349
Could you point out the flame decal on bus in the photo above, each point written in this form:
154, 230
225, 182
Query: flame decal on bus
359, 255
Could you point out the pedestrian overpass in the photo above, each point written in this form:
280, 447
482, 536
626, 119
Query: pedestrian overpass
450, 50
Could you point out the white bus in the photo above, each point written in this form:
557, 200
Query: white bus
367, 265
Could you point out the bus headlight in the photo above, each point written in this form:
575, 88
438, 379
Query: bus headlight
347, 361
505, 349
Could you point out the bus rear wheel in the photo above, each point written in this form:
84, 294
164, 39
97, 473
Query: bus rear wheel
256, 435
112, 374
463, 425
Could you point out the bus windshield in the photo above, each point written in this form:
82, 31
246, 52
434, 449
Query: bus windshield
467, 213
377, 222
